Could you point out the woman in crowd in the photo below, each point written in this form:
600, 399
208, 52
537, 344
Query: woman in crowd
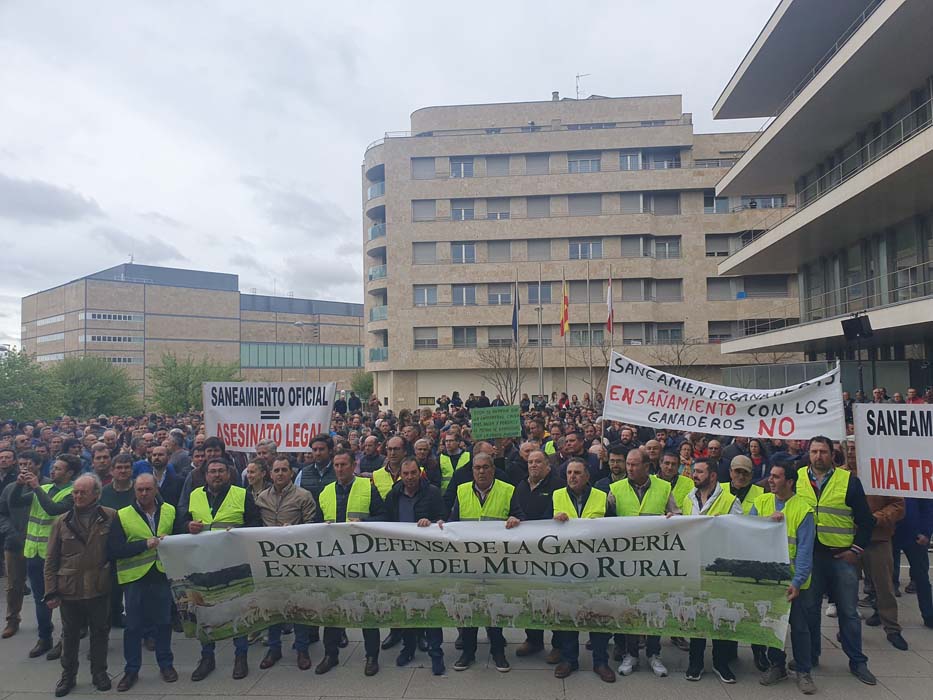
761, 465
257, 476
686, 459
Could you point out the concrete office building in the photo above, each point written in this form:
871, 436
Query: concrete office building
133, 314
476, 197
848, 84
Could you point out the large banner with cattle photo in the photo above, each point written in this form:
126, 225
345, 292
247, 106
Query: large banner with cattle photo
719, 577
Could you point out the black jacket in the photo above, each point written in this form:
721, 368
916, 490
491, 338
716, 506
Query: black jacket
170, 490
538, 504
428, 503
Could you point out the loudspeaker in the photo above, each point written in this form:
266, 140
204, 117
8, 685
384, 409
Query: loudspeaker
858, 327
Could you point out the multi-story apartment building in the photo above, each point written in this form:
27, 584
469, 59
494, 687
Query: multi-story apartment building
848, 84
479, 199
133, 314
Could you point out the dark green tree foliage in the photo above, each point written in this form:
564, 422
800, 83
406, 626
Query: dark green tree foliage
27, 391
176, 384
92, 386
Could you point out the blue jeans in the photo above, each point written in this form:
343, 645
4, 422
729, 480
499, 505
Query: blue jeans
434, 635
570, 647
919, 559
840, 579
35, 571
148, 609
799, 636
240, 647
302, 638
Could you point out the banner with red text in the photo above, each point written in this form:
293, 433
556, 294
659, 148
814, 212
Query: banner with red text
243, 414
895, 449
643, 395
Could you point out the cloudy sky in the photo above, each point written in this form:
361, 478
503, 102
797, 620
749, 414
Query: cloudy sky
227, 136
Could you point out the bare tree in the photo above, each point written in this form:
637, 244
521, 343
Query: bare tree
595, 364
498, 363
676, 358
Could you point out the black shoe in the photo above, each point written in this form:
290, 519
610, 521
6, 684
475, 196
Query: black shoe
502, 663
41, 647
204, 669
874, 620
372, 666
897, 591
343, 641
271, 659
391, 639
437, 665
861, 672
101, 681
618, 653
724, 672
127, 682
64, 686
405, 657
897, 641
761, 659
240, 667
680, 643
464, 662
694, 673
55, 652
327, 663
458, 642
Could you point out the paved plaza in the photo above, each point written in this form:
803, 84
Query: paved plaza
907, 675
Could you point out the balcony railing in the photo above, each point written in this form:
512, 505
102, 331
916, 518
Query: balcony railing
906, 284
899, 133
377, 273
379, 313
377, 189
377, 231
378, 354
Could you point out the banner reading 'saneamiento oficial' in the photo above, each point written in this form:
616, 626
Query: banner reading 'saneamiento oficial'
643, 395
895, 449
722, 577
243, 414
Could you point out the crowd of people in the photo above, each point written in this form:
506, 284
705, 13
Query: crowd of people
84, 506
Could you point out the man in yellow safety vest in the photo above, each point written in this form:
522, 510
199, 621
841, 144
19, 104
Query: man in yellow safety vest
134, 539
740, 482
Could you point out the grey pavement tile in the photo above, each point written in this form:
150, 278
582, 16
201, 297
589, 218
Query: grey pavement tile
84, 691
584, 684
908, 688
828, 688
481, 683
347, 680
882, 663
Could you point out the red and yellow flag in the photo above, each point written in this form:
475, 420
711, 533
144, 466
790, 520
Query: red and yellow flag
564, 309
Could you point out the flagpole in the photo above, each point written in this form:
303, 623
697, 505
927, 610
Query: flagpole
612, 321
589, 320
517, 337
540, 344
563, 332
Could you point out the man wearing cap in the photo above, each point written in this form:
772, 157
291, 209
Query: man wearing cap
740, 484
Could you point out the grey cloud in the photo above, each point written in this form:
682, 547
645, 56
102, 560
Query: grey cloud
40, 202
349, 248
288, 208
146, 249
162, 219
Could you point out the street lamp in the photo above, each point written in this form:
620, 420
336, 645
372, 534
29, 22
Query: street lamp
309, 324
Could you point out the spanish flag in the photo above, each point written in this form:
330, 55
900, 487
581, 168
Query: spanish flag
564, 309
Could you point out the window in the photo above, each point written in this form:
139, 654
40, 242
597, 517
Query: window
633, 246
497, 166
667, 247
718, 245
124, 360
662, 159
111, 339
545, 336
586, 249
50, 338
720, 331
422, 168
668, 290
652, 290
537, 163
669, 333
588, 127
423, 210
763, 201
424, 253
633, 290
663, 203
766, 286
461, 166
499, 294
461, 209
540, 295
54, 319
107, 316
497, 208
425, 338
428, 401
629, 160
583, 335
463, 294
721, 288
499, 251
51, 357
500, 336
538, 207
583, 162
713, 204
631, 203
539, 249
464, 336
585, 204
425, 295
463, 253
578, 291
633, 333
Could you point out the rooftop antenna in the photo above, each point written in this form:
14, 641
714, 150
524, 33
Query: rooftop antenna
131, 259
581, 75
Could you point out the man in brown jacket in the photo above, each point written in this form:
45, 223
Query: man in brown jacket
878, 560
77, 579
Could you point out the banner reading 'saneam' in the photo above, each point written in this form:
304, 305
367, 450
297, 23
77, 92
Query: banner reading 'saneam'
721, 577
643, 395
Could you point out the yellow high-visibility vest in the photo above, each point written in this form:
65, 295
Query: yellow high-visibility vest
595, 506
358, 501
136, 528
795, 510
497, 506
39, 525
835, 526
230, 514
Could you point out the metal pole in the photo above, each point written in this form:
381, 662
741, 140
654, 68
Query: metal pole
540, 310
563, 275
589, 320
518, 346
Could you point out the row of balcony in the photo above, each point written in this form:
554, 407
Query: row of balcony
377, 189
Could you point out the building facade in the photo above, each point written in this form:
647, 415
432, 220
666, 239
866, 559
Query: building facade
133, 314
848, 87
478, 200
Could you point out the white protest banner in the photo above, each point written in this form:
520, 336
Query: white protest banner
695, 576
643, 395
895, 449
243, 414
